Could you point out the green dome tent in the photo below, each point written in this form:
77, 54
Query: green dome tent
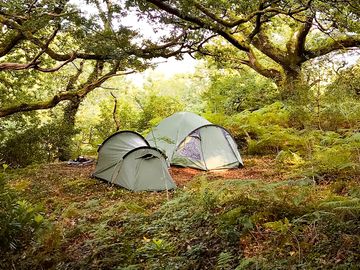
189, 140
127, 159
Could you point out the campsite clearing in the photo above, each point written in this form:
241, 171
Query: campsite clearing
246, 213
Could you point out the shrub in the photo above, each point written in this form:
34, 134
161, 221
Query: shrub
33, 145
334, 158
19, 220
154, 108
232, 91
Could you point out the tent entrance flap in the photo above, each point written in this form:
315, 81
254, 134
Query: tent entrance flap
189, 152
220, 154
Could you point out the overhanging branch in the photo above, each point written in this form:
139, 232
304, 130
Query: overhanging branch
68, 95
334, 45
261, 11
198, 21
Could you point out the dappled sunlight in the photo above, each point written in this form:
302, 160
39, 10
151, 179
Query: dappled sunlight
255, 168
215, 162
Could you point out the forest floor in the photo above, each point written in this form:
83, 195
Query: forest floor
246, 218
255, 168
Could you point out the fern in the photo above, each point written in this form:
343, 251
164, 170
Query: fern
355, 202
247, 263
224, 260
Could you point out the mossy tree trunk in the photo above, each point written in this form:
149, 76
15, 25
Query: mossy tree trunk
68, 129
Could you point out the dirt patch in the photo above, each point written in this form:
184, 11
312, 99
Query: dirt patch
71, 170
183, 175
255, 168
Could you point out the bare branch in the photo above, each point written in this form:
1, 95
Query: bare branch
116, 120
261, 11
234, 41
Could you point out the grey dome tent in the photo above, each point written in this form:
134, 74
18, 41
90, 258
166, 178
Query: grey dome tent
126, 159
189, 140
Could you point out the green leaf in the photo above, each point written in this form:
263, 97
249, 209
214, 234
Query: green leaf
38, 218
5, 166
279, 225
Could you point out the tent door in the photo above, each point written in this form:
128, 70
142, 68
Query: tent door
189, 152
219, 155
149, 174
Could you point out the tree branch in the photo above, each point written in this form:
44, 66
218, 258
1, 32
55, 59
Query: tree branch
35, 65
161, 50
300, 38
25, 107
247, 18
72, 58
6, 48
263, 44
68, 95
17, 66
241, 45
258, 22
116, 120
334, 45
51, 38
71, 83
266, 72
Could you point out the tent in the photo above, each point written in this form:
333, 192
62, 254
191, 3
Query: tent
189, 140
127, 159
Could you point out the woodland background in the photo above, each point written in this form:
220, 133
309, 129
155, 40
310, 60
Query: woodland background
282, 76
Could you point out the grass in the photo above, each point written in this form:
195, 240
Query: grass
210, 222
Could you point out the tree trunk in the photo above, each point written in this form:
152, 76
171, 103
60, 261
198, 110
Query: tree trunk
116, 119
292, 86
68, 129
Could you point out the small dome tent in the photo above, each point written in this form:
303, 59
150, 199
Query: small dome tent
127, 159
189, 140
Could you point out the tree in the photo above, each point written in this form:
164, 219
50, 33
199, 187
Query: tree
53, 52
273, 37
154, 108
232, 91
341, 104
45, 36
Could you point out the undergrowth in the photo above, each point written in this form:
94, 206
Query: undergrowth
322, 154
20, 220
217, 224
